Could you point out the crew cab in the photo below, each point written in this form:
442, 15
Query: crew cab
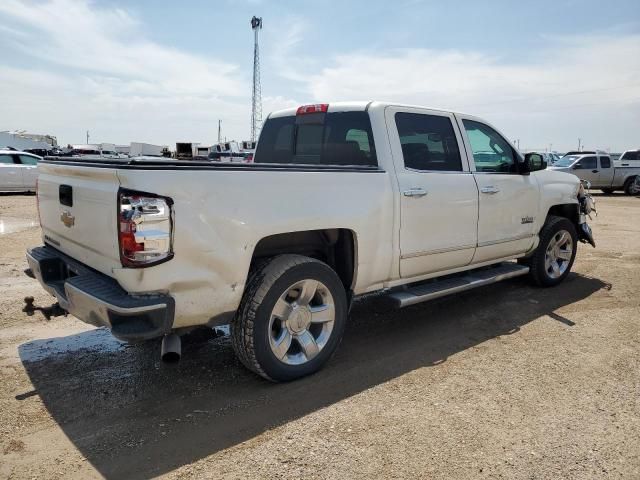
598, 169
342, 199
18, 171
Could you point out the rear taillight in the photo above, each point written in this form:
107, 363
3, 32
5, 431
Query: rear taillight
145, 228
317, 108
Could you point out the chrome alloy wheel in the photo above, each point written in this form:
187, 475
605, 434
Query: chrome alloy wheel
558, 254
301, 322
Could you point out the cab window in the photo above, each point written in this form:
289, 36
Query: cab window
605, 162
6, 159
491, 152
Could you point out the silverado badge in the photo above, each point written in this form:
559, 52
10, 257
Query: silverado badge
68, 219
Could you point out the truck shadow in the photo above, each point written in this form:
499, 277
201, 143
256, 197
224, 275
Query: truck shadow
132, 416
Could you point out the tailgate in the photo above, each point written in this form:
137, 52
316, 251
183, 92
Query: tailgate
78, 212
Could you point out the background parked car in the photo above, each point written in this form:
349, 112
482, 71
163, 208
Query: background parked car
550, 157
18, 171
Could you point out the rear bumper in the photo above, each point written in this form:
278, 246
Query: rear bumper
98, 300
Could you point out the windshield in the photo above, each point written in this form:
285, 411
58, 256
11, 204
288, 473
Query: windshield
566, 161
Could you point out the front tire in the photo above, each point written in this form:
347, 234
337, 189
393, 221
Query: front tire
291, 318
552, 260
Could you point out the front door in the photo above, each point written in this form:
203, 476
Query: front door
438, 195
508, 199
587, 169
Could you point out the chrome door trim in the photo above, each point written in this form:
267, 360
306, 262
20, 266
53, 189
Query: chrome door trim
505, 240
435, 252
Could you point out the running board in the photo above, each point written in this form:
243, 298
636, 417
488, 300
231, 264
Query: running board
467, 281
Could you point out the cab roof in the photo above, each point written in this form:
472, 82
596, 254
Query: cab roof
358, 106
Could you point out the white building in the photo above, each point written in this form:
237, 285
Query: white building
24, 141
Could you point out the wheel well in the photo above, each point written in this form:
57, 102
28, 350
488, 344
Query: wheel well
569, 210
334, 246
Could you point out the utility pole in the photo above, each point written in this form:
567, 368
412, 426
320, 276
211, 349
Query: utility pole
256, 96
579, 144
219, 131
87, 137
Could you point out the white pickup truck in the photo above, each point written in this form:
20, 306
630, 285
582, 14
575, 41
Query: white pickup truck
342, 200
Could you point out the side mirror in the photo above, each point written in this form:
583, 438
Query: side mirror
533, 162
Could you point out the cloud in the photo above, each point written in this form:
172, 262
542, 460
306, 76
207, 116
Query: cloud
72, 65
91, 66
569, 81
458, 78
100, 41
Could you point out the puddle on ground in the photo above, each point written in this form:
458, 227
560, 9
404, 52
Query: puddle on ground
13, 225
99, 340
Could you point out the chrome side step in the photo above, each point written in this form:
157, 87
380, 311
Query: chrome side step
466, 281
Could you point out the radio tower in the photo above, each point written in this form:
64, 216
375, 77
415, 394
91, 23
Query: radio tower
256, 97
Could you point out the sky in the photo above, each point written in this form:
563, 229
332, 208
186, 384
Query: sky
545, 73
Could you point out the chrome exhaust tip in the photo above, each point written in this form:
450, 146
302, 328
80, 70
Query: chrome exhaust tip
171, 348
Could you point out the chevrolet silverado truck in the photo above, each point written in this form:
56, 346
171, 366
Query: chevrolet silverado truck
342, 200
598, 169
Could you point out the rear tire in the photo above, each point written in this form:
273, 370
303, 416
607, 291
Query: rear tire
629, 187
291, 318
552, 260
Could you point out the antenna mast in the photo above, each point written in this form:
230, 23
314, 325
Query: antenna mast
256, 97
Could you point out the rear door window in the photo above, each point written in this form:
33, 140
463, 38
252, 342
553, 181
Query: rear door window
605, 162
334, 138
6, 159
28, 160
428, 142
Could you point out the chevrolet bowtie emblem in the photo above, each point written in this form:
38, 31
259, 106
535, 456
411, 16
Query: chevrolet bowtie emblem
68, 219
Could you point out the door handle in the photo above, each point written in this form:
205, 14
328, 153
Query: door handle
490, 190
415, 192
594, 171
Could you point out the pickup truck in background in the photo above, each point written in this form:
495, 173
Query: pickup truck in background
342, 200
598, 169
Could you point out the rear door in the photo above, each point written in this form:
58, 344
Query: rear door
10, 174
438, 195
605, 176
29, 167
509, 201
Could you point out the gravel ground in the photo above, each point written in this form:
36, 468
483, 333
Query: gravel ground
509, 381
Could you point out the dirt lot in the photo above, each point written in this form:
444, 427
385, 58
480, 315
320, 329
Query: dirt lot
509, 381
